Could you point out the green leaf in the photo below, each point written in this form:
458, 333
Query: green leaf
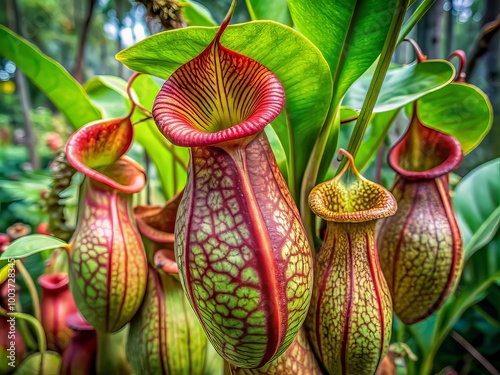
276, 10
32, 244
349, 33
402, 85
477, 205
347, 114
62, 89
110, 94
292, 58
196, 14
459, 109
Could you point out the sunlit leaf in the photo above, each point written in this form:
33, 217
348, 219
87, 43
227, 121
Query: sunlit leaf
477, 205
402, 85
61, 88
459, 109
32, 244
349, 33
299, 66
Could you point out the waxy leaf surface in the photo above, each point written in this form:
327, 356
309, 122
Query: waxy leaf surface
299, 66
349, 33
460, 110
29, 245
402, 85
477, 204
61, 88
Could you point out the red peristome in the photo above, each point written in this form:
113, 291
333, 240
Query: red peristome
424, 153
218, 96
98, 145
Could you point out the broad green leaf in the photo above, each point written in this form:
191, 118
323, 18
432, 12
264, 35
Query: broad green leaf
347, 114
32, 244
276, 10
349, 33
459, 109
110, 93
477, 205
293, 59
62, 89
402, 85
196, 14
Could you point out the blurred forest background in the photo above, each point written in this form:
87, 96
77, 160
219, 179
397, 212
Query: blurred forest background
85, 35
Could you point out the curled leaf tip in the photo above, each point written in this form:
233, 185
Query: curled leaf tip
218, 96
349, 197
97, 150
225, 21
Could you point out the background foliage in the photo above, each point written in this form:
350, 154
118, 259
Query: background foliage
30, 124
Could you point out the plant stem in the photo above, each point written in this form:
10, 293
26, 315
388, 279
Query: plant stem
414, 18
31, 288
40, 333
376, 82
111, 357
24, 330
83, 42
292, 184
311, 173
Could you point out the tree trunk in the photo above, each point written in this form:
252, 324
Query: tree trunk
80, 57
13, 18
430, 31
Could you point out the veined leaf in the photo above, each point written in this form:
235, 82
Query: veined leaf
402, 85
196, 14
32, 244
299, 66
349, 33
276, 10
477, 205
110, 93
459, 109
60, 87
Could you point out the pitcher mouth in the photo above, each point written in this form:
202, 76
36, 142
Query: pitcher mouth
424, 153
218, 96
351, 198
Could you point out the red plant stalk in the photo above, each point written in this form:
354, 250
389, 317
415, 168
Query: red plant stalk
244, 260
421, 249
